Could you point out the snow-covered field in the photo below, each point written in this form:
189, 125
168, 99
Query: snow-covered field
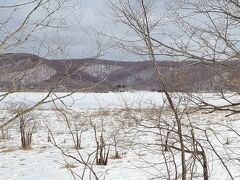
128, 121
89, 100
106, 100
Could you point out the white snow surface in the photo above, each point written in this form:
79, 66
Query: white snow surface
110, 100
89, 100
46, 162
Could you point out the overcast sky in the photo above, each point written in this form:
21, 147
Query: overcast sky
79, 38
74, 30
96, 16
83, 37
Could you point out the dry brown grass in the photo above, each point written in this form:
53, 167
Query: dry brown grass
27, 148
69, 166
8, 150
115, 157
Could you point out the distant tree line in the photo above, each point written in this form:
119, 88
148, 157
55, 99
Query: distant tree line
120, 87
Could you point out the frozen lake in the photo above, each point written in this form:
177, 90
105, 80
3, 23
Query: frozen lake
89, 100
140, 99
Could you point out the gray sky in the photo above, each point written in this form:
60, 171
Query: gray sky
79, 39
95, 17
81, 23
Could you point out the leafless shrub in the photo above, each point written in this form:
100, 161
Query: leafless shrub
27, 124
5, 133
80, 125
80, 158
27, 130
102, 149
48, 136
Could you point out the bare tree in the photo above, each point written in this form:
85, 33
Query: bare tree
201, 40
40, 24
102, 149
80, 124
27, 125
136, 15
21, 26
